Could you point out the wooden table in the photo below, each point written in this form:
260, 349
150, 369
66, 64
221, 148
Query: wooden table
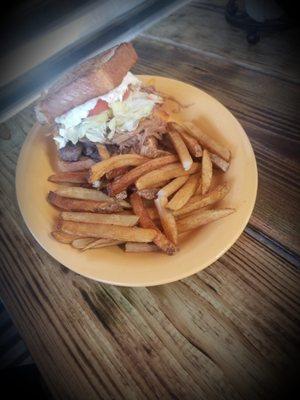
231, 331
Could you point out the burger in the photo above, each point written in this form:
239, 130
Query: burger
102, 102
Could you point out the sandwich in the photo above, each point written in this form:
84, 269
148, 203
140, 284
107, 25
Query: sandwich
100, 102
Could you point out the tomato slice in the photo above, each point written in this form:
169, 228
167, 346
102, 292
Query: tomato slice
100, 106
126, 94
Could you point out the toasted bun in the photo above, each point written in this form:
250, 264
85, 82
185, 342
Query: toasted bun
92, 78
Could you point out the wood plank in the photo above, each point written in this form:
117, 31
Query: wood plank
201, 25
267, 107
229, 332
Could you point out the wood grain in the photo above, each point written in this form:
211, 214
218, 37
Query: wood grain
201, 26
266, 107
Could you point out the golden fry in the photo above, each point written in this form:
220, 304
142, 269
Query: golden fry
110, 219
69, 177
141, 248
100, 243
131, 176
200, 218
219, 162
165, 173
81, 243
191, 143
67, 204
103, 152
172, 186
167, 221
122, 233
197, 202
121, 160
184, 193
206, 141
207, 172
63, 237
146, 222
69, 166
181, 149
116, 173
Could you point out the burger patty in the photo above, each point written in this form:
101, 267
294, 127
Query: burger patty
72, 152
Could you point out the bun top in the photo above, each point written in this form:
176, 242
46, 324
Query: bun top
92, 78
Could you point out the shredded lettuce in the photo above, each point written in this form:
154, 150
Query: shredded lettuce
124, 116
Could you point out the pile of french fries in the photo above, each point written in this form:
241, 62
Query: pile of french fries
140, 203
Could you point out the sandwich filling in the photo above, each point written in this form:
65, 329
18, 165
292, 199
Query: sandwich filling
106, 117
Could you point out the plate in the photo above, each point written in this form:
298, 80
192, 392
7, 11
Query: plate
198, 250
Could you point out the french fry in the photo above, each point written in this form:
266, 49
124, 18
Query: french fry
172, 186
148, 194
206, 172
103, 152
146, 222
131, 176
181, 149
67, 204
100, 243
206, 141
184, 193
69, 177
121, 160
73, 166
141, 248
122, 233
200, 218
63, 237
199, 188
197, 202
89, 194
152, 212
165, 173
191, 143
115, 173
167, 221
83, 194
219, 162
81, 243
110, 219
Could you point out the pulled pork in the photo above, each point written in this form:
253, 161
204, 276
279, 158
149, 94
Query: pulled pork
144, 139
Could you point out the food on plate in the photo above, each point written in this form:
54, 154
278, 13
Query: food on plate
130, 170
219, 162
184, 193
146, 222
165, 173
167, 220
194, 147
172, 187
206, 141
92, 243
141, 248
69, 204
201, 217
116, 232
121, 160
69, 177
206, 172
131, 176
103, 152
88, 217
81, 243
63, 237
200, 201
181, 149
